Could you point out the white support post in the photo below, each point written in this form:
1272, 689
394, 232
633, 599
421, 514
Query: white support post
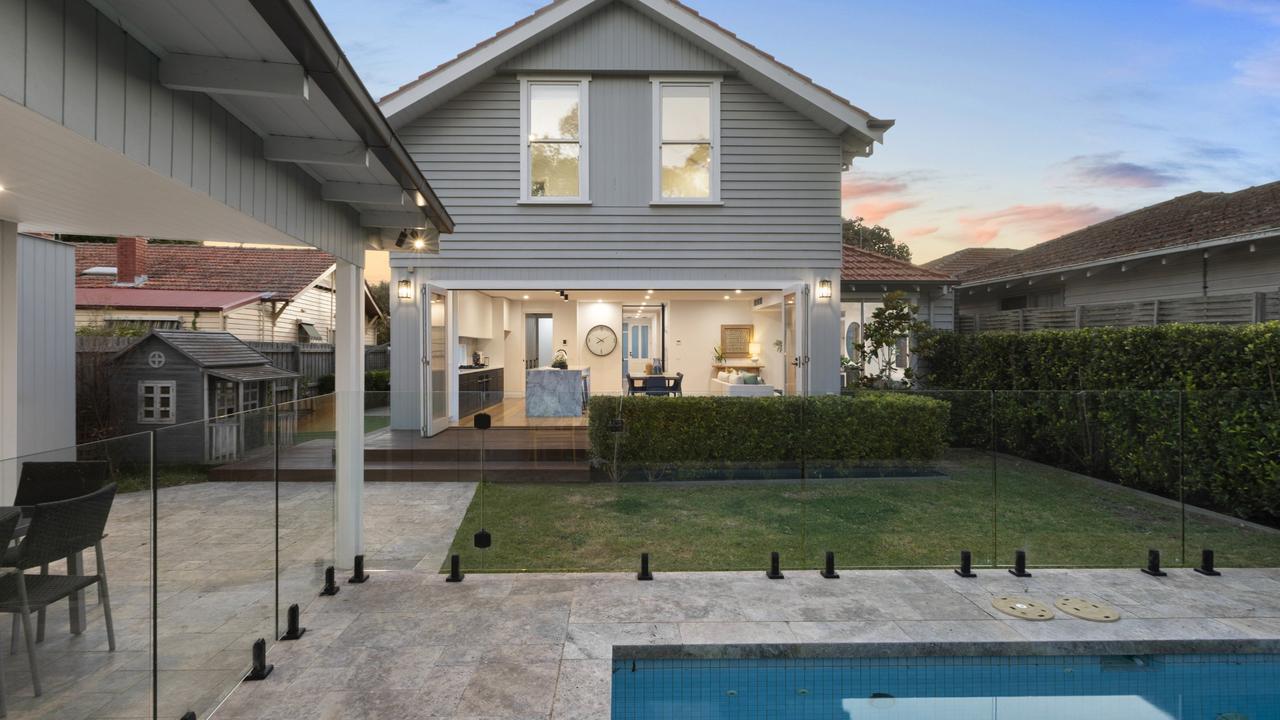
349, 423
8, 358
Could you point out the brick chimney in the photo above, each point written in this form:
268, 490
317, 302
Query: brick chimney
131, 260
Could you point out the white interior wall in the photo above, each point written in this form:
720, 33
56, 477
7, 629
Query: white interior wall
693, 328
564, 323
606, 372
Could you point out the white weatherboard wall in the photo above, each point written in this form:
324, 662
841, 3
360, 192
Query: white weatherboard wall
37, 362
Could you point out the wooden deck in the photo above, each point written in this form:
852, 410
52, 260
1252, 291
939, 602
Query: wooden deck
509, 453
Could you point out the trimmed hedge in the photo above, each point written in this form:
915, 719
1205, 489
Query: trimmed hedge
708, 431
1186, 411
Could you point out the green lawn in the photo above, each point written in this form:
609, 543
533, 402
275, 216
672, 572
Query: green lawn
1058, 517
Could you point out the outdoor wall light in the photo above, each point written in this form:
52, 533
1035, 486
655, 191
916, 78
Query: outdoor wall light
824, 289
404, 290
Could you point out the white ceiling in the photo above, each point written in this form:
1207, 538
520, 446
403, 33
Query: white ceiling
632, 297
58, 181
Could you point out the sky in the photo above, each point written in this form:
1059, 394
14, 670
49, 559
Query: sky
1017, 120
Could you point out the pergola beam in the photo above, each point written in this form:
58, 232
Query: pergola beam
315, 151
227, 76
364, 193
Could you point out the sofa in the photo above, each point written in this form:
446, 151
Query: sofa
732, 385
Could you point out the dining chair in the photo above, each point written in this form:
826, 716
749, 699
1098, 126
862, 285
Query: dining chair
58, 530
676, 385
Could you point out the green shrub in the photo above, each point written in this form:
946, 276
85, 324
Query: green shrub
1186, 411
377, 380
707, 431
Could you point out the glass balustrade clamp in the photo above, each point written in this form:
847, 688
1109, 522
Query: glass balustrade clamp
966, 565
1206, 564
358, 575
330, 586
294, 629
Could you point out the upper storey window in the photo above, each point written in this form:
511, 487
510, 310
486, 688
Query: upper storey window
553, 123
686, 140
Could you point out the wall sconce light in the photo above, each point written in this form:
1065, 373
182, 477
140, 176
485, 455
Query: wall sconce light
404, 290
824, 289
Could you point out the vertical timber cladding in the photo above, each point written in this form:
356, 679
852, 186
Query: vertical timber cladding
73, 65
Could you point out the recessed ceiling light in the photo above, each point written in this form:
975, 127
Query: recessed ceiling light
726, 297
737, 292
1, 188
599, 300
650, 292
526, 297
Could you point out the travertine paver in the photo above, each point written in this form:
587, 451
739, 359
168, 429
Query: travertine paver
540, 645
408, 645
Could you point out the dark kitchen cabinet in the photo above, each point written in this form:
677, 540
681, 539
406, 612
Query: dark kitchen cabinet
479, 390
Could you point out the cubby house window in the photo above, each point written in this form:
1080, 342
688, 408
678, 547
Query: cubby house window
686, 142
156, 400
553, 124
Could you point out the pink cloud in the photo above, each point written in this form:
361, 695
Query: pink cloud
922, 231
875, 211
857, 186
1036, 222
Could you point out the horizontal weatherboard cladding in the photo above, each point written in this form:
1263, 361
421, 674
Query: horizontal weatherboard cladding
780, 186
68, 62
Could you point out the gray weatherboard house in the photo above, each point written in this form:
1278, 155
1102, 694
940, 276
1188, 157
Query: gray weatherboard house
629, 181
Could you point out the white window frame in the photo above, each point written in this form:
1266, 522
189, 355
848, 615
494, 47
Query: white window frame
172, 385
655, 165
584, 146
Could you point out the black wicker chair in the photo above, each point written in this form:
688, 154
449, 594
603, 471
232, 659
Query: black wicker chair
9, 518
58, 530
676, 386
42, 482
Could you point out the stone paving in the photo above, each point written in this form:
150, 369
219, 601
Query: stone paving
408, 645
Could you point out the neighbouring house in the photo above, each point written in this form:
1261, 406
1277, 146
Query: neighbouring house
962, 261
634, 187
171, 380
1201, 257
256, 294
866, 277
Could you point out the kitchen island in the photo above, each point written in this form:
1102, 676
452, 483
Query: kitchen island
552, 392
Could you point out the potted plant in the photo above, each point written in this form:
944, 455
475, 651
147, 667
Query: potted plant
717, 354
561, 360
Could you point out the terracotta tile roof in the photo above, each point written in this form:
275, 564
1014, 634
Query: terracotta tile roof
962, 261
866, 266
545, 8
285, 272
1185, 220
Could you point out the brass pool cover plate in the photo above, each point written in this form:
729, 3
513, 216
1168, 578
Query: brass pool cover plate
1023, 608
1087, 609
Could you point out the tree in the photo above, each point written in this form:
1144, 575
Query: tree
885, 342
382, 296
876, 239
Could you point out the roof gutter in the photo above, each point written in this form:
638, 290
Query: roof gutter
1131, 257
300, 28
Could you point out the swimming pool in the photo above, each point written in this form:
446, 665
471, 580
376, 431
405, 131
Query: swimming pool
1143, 687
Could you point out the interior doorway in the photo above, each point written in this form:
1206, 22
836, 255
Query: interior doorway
644, 329
538, 340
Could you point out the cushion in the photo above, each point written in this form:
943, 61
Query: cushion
722, 376
750, 379
738, 379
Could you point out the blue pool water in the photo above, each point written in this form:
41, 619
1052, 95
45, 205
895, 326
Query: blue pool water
1148, 687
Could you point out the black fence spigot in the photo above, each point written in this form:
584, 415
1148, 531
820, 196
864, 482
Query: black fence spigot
1153, 564
260, 669
966, 565
455, 570
1019, 568
829, 568
644, 573
358, 575
1206, 564
294, 629
775, 569
330, 585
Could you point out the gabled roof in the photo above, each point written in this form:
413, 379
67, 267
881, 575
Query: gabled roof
1181, 223
962, 261
864, 266
128, 298
283, 271
822, 105
210, 349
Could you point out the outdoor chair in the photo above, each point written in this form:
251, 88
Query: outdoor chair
676, 385
57, 531
632, 389
42, 482
9, 518
49, 481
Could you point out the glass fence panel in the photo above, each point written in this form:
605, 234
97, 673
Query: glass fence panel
528, 476
216, 532
304, 497
1231, 478
84, 645
898, 479
709, 482
1088, 478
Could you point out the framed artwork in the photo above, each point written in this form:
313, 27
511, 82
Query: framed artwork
735, 340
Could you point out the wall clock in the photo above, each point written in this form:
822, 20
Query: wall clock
601, 340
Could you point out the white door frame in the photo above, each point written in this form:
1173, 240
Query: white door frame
802, 348
432, 425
